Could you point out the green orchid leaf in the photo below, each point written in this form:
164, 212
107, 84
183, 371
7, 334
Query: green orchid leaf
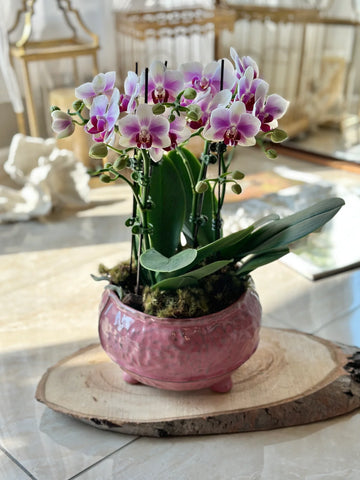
191, 278
225, 247
155, 261
168, 213
256, 261
117, 289
205, 234
289, 229
267, 219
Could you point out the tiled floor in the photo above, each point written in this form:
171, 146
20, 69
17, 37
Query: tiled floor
49, 310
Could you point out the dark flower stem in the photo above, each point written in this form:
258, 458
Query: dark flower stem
198, 198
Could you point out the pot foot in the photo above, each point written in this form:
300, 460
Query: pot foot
223, 386
129, 379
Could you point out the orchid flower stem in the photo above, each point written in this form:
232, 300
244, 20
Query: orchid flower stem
137, 287
145, 197
222, 171
132, 248
144, 237
120, 152
198, 198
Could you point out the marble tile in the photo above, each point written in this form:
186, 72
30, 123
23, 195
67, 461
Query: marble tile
9, 470
49, 296
344, 330
48, 444
102, 222
49, 310
303, 304
317, 451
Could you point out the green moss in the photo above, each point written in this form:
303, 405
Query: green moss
211, 294
119, 275
214, 293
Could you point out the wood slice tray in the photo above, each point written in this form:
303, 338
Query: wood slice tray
292, 379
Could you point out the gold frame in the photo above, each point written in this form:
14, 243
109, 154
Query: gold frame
27, 51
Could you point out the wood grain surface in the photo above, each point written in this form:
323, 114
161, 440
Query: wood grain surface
292, 379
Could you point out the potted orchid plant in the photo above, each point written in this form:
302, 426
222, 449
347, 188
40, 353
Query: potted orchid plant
183, 275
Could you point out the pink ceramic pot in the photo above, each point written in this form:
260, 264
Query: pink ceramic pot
180, 354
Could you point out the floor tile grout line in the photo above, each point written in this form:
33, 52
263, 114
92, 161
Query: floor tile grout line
13, 459
78, 475
335, 319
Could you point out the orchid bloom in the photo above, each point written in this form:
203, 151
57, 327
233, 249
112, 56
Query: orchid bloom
269, 109
247, 87
131, 89
102, 84
241, 64
62, 124
178, 132
103, 116
144, 129
208, 103
201, 78
163, 84
232, 126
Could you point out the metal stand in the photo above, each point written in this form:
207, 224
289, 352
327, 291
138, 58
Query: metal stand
27, 51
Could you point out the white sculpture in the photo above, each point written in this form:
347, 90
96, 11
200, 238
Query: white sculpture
47, 178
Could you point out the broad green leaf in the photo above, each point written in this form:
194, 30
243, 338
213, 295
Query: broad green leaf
256, 261
191, 278
263, 221
225, 247
206, 234
289, 229
168, 215
155, 261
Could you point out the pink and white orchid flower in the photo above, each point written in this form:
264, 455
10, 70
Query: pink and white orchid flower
102, 84
247, 87
163, 84
201, 78
103, 116
208, 103
144, 129
241, 64
233, 126
131, 89
269, 109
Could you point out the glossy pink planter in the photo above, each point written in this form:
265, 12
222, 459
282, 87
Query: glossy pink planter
180, 354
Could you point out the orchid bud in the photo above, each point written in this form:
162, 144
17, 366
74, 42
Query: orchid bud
235, 187
271, 153
171, 117
53, 108
201, 187
237, 175
98, 150
120, 163
158, 109
62, 123
190, 93
105, 178
77, 105
194, 112
278, 135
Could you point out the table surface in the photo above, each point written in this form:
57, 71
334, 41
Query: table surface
49, 310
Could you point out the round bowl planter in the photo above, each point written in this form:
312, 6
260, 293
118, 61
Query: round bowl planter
180, 354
